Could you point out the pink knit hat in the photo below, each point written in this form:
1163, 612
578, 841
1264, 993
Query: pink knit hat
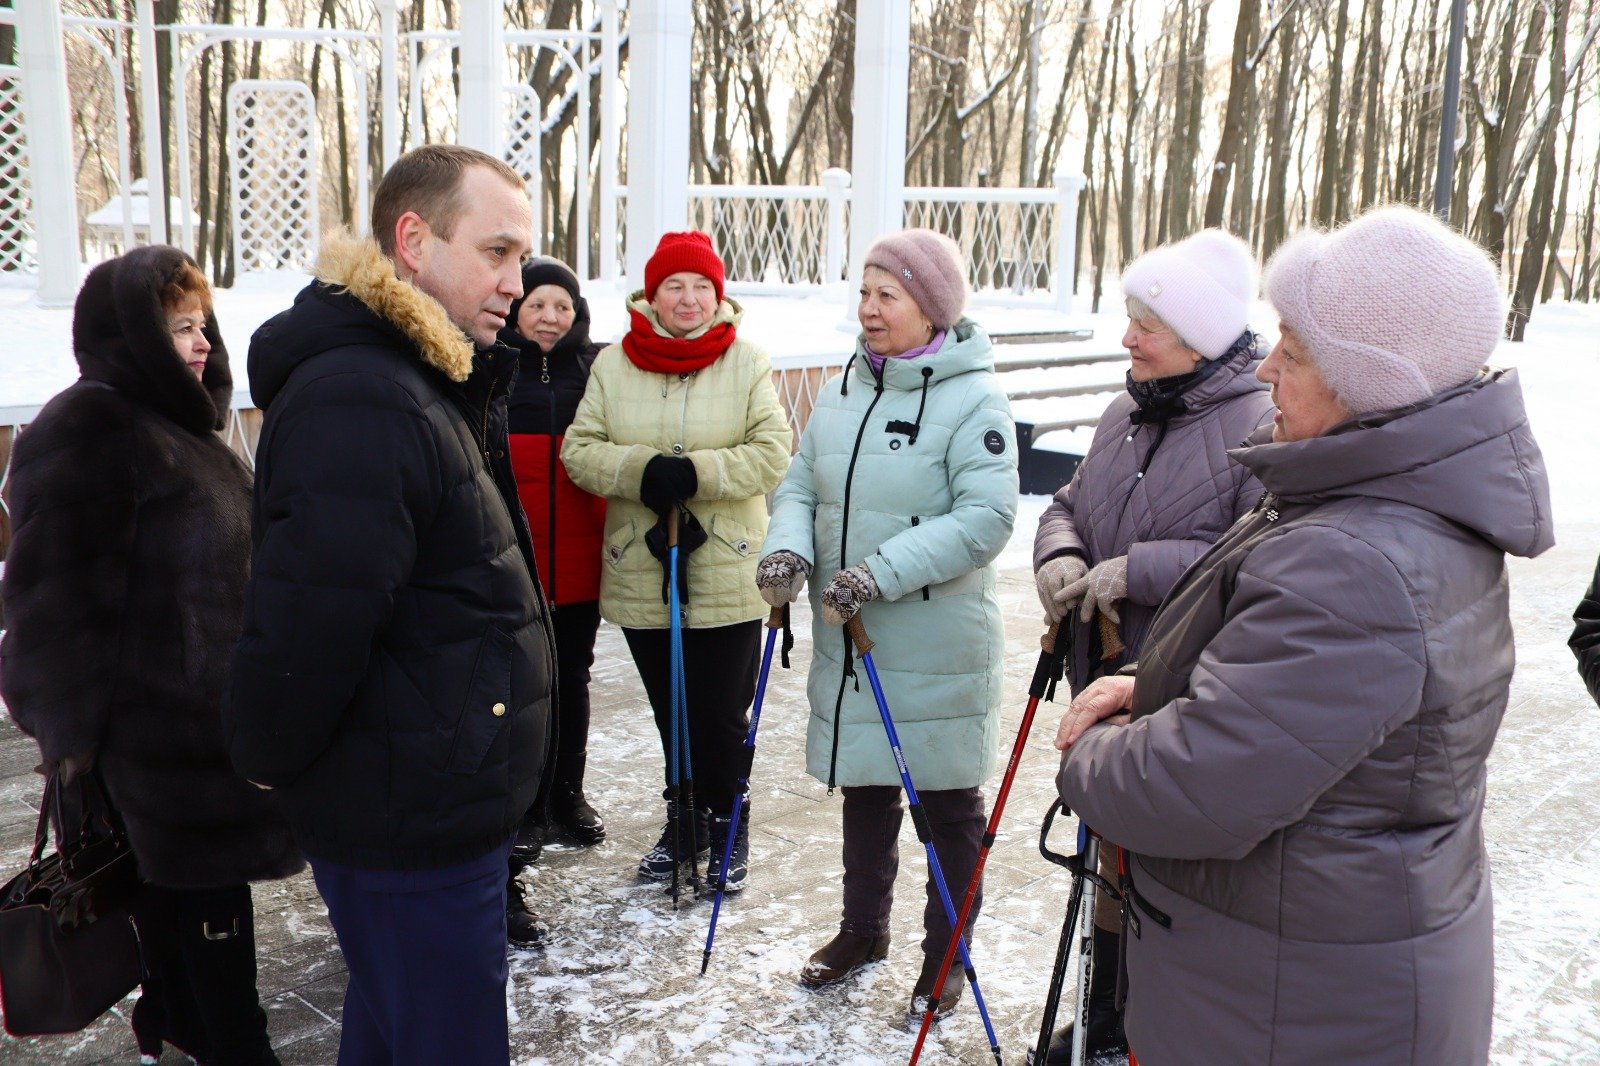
1393, 306
1200, 287
930, 267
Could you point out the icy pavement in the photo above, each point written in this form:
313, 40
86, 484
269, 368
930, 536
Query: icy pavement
620, 980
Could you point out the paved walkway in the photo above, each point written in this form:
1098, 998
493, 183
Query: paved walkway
620, 980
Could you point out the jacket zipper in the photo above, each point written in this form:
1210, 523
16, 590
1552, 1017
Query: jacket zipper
844, 541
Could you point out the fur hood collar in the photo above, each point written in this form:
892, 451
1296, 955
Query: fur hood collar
358, 266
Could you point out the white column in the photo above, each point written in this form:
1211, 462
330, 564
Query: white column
481, 122
42, 58
658, 126
878, 137
389, 78
1069, 184
150, 119
608, 140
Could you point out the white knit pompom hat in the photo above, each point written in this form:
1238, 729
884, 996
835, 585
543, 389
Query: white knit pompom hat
1201, 287
1393, 307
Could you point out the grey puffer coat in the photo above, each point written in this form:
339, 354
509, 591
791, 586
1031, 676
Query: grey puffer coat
1303, 779
1160, 497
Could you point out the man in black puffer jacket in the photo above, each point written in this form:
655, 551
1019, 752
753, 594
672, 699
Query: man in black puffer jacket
392, 683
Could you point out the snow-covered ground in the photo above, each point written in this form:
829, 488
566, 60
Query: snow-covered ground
619, 982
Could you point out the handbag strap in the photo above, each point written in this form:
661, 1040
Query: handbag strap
49, 813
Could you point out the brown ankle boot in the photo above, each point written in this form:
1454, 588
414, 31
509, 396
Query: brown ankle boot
954, 983
842, 956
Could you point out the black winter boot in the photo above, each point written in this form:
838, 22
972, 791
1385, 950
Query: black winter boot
657, 862
166, 1012
217, 935
739, 861
1106, 1040
568, 807
528, 844
524, 927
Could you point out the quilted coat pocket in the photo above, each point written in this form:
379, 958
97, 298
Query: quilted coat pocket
488, 710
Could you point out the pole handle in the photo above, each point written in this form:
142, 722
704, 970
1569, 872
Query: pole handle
672, 526
775, 617
858, 633
1111, 644
1047, 641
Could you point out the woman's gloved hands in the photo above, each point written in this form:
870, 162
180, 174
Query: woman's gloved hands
1100, 589
667, 479
781, 576
1053, 577
846, 594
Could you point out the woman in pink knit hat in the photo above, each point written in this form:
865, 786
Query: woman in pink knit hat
1300, 784
902, 495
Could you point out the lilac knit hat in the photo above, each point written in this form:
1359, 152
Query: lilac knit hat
1201, 287
930, 267
1393, 306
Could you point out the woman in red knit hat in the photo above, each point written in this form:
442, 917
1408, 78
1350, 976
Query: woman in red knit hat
683, 414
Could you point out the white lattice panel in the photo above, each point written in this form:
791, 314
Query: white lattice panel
1007, 245
16, 206
272, 139
525, 146
797, 389
767, 240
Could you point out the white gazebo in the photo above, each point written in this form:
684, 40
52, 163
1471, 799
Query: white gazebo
123, 222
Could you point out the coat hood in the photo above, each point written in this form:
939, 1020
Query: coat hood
574, 342
1467, 454
1234, 375
966, 348
355, 299
120, 338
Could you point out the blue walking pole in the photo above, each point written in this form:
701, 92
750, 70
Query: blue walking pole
775, 621
919, 818
680, 773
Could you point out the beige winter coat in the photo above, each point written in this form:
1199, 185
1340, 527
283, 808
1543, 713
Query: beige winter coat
726, 418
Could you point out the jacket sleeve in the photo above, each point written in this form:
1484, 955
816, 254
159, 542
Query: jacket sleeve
1585, 642
794, 506
983, 490
594, 463
1319, 658
351, 483
755, 465
75, 512
1058, 534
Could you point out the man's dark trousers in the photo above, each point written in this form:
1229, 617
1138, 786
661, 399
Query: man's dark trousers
426, 952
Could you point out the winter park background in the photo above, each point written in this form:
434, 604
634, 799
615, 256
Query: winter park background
1056, 139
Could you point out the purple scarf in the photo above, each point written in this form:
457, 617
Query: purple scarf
877, 360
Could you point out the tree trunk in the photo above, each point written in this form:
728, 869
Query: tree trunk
1274, 223
1327, 191
1538, 218
1233, 116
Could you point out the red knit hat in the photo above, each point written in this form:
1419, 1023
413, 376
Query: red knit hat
687, 252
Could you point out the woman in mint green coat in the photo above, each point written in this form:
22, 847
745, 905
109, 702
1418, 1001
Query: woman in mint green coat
902, 495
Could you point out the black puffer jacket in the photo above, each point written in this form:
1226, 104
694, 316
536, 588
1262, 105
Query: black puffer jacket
1585, 642
124, 588
393, 680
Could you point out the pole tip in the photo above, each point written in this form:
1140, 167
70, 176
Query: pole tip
705, 961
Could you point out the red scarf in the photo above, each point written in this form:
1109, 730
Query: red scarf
651, 351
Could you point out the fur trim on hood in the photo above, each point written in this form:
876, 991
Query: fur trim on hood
358, 266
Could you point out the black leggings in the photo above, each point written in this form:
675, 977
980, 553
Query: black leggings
720, 666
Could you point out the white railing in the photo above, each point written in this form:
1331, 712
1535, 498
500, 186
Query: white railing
1018, 243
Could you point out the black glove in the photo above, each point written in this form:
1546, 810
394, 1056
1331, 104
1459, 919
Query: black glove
691, 535
668, 479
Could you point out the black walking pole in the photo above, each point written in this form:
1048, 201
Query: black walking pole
776, 620
1085, 881
919, 818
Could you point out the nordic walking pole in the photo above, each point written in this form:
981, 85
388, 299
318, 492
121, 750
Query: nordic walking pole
858, 633
1085, 880
775, 620
1045, 674
680, 690
675, 676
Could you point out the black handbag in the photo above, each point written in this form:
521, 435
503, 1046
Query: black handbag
68, 946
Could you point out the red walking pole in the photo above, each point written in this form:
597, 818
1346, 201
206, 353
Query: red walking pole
1045, 675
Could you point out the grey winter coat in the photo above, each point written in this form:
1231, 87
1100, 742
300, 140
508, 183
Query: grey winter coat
1160, 498
915, 476
1303, 779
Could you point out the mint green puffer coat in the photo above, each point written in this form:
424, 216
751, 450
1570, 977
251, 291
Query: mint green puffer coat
918, 479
